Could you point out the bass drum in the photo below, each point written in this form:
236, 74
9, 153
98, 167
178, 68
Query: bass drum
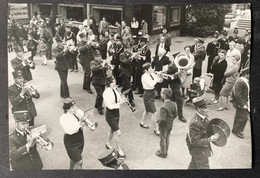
219, 126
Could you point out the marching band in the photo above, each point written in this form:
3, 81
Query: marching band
110, 63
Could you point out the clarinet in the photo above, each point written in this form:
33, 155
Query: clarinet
125, 99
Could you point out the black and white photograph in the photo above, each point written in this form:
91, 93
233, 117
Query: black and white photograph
129, 86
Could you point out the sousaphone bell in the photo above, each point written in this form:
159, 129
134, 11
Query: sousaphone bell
182, 61
219, 126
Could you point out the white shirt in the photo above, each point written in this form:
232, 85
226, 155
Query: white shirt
230, 53
135, 24
161, 46
110, 100
70, 123
148, 81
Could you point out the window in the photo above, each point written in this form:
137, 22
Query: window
159, 17
75, 13
174, 16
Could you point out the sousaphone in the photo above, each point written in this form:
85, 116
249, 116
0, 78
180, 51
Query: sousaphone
219, 126
182, 61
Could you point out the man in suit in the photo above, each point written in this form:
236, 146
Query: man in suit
162, 45
224, 41
21, 98
167, 114
20, 63
241, 102
22, 149
199, 57
62, 66
212, 51
197, 139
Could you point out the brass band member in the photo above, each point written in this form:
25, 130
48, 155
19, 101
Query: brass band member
175, 85
21, 97
115, 59
22, 148
112, 101
167, 114
72, 122
98, 81
23, 64
149, 80
212, 51
197, 140
86, 56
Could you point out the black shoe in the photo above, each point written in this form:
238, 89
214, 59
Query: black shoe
108, 147
182, 119
100, 111
144, 126
90, 91
240, 135
161, 155
132, 103
157, 132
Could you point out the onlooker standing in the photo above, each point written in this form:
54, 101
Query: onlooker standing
127, 38
42, 51
212, 51
103, 26
134, 26
199, 57
162, 45
144, 27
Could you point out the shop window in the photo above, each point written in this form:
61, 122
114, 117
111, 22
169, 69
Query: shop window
75, 13
45, 10
159, 17
174, 16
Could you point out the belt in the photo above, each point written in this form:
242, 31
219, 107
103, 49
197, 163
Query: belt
148, 90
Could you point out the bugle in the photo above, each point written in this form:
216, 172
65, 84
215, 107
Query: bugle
42, 142
29, 89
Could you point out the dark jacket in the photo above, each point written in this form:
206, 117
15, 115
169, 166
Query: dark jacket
115, 58
17, 65
224, 43
166, 47
212, 49
199, 57
218, 70
20, 104
20, 159
158, 64
86, 54
240, 91
168, 113
62, 61
197, 139
98, 73
125, 64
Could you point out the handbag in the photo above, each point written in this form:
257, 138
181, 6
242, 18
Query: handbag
223, 81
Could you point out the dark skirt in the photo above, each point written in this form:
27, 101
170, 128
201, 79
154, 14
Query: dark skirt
74, 145
148, 98
112, 118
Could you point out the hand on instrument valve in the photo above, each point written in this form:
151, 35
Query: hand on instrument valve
30, 142
214, 137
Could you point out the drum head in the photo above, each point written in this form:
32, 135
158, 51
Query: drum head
107, 156
219, 126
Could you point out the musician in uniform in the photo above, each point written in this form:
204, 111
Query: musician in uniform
224, 41
199, 57
160, 64
62, 66
167, 114
112, 101
241, 102
212, 51
86, 56
21, 98
22, 148
197, 139
175, 85
115, 59
144, 57
149, 80
72, 122
20, 63
97, 67
125, 74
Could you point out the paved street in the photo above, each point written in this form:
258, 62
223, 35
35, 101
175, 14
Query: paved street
138, 144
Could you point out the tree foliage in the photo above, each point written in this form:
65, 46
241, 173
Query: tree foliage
204, 19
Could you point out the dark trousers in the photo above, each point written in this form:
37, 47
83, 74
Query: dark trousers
64, 89
116, 73
49, 51
210, 61
33, 53
177, 97
158, 87
126, 85
240, 121
99, 90
73, 61
139, 84
199, 163
196, 73
164, 139
87, 79
134, 74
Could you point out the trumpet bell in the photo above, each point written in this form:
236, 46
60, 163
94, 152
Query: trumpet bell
49, 146
182, 61
219, 126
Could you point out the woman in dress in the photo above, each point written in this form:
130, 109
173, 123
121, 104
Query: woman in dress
231, 75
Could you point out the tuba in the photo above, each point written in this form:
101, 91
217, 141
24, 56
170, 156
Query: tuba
219, 126
183, 63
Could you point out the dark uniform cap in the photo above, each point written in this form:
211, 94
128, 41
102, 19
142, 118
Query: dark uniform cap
146, 66
68, 103
245, 71
216, 34
225, 33
235, 31
18, 49
21, 116
167, 92
199, 102
17, 73
200, 40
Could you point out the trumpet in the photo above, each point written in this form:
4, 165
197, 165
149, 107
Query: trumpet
125, 99
29, 89
42, 142
167, 76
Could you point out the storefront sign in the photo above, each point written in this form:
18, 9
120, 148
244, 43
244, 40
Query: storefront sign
19, 11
